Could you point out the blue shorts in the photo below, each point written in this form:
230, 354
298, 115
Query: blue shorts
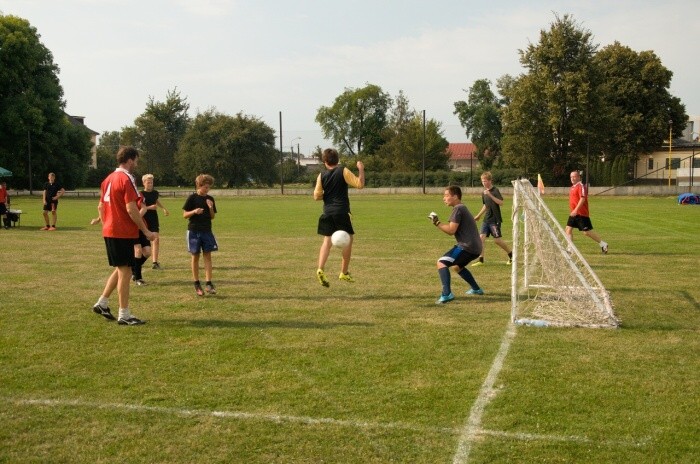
493, 230
201, 241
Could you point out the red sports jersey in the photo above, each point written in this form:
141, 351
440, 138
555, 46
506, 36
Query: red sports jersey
118, 189
577, 192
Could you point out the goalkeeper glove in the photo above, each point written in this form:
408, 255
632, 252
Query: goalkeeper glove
434, 218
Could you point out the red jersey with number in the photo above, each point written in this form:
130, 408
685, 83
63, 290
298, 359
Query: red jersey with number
118, 189
578, 191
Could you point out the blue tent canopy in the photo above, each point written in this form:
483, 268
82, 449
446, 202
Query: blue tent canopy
688, 199
5, 173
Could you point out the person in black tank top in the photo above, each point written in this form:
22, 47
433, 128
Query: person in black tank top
332, 188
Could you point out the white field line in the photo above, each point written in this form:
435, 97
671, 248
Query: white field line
281, 418
471, 429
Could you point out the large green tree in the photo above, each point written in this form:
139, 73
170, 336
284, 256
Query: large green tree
480, 116
559, 99
237, 150
35, 135
159, 131
356, 119
640, 106
407, 144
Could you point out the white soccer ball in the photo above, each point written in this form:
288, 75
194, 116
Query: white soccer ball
340, 239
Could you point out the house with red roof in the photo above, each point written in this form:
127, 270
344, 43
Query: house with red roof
462, 157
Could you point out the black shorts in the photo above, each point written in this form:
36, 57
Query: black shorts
3, 209
143, 241
456, 256
120, 251
582, 223
51, 205
329, 223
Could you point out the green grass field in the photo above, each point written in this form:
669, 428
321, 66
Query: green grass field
277, 369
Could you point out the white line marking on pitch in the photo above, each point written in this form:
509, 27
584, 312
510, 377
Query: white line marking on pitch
473, 426
234, 415
279, 418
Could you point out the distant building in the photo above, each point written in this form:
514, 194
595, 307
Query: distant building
677, 163
462, 157
80, 121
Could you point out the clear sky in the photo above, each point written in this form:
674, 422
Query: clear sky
263, 57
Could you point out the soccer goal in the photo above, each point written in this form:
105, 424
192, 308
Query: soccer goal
551, 282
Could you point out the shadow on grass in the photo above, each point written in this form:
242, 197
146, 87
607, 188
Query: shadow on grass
693, 302
277, 324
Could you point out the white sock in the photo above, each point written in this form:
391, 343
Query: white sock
602, 244
124, 313
103, 302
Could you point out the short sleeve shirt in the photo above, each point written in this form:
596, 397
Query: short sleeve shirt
493, 211
118, 189
467, 234
577, 192
199, 222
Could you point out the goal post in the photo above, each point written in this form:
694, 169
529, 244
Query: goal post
551, 282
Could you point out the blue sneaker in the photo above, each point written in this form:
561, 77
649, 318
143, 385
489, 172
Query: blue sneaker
445, 299
471, 291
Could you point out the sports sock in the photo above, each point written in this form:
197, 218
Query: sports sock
102, 301
136, 271
466, 275
124, 313
444, 273
510, 255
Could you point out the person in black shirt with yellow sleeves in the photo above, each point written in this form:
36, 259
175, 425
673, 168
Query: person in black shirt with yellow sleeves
332, 188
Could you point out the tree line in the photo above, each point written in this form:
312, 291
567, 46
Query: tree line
575, 105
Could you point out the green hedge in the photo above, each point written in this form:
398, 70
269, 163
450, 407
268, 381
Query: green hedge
501, 177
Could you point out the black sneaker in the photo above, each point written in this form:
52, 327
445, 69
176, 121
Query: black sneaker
131, 320
140, 282
156, 266
104, 312
210, 288
198, 289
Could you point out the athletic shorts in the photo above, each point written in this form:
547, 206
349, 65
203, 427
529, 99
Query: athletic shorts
52, 205
143, 241
329, 223
582, 223
457, 257
201, 241
120, 251
492, 230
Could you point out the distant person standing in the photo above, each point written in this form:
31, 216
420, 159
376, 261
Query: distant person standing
579, 216
199, 209
52, 192
121, 222
491, 211
332, 188
4, 205
152, 202
462, 226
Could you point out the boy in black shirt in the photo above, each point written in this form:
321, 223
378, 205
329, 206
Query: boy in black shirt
200, 209
332, 188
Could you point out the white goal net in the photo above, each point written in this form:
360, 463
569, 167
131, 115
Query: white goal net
551, 283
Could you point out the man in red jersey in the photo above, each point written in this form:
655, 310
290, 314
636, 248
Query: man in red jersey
579, 216
121, 222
